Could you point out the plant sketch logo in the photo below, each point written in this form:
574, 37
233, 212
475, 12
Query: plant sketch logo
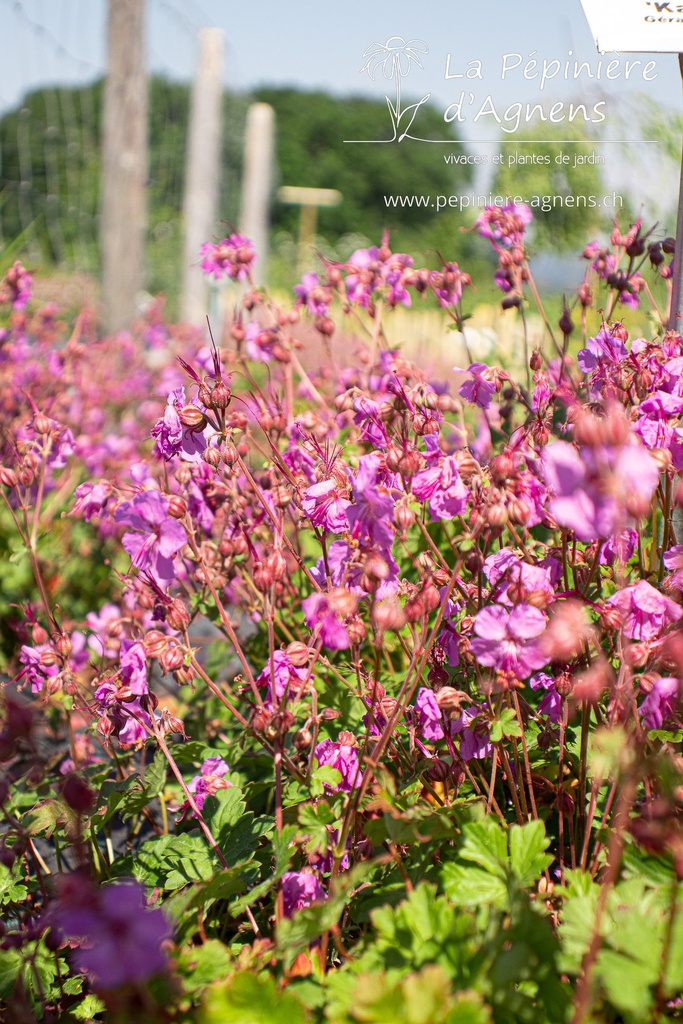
395, 58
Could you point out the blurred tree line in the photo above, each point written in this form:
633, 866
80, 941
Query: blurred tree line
50, 172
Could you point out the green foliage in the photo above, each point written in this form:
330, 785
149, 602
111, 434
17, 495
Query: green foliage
251, 999
505, 857
311, 151
561, 226
50, 173
641, 949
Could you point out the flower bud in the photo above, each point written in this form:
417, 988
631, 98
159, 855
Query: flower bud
347, 739
212, 456
263, 579
431, 597
298, 653
438, 771
636, 655
610, 618
154, 642
177, 615
565, 323
536, 361
177, 506
77, 793
564, 684
388, 615
7, 856
41, 423
302, 739
185, 675
376, 567
220, 396
404, 517
409, 464
8, 478
172, 658
193, 417
518, 511
229, 455
38, 634
449, 699
276, 565
496, 515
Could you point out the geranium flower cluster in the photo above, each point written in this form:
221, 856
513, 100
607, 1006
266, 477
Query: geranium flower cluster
343, 583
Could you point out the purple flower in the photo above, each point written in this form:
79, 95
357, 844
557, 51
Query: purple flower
551, 702
311, 294
594, 491
119, 938
325, 505
606, 348
504, 225
91, 499
473, 728
286, 678
158, 536
660, 703
429, 717
300, 889
442, 488
16, 286
645, 611
232, 257
673, 560
211, 778
508, 641
321, 612
477, 390
133, 664
36, 672
448, 284
371, 516
172, 438
621, 546
505, 568
342, 757
99, 640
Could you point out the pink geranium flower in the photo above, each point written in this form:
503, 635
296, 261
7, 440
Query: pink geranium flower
508, 640
645, 611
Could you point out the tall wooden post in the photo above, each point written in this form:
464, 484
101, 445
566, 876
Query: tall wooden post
676, 311
124, 163
308, 200
257, 182
202, 170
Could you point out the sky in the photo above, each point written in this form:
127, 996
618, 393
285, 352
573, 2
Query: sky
307, 44
310, 45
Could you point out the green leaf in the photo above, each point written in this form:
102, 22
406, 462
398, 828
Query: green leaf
627, 983
223, 810
486, 844
314, 821
471, 887
505, 725
200, 966
155, 775
527, 857
324, 774
88, 1008
172, 861
11, 962
251, 999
